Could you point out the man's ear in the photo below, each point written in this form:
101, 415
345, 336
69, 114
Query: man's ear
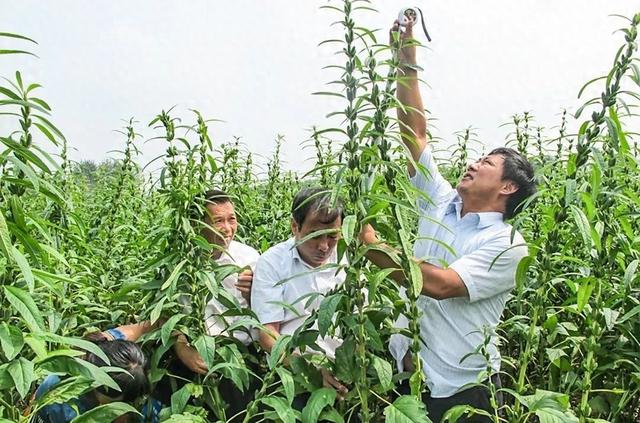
509, 188
294, 227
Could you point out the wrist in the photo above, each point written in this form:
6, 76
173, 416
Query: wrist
409, 67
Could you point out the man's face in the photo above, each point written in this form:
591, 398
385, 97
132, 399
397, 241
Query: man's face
316, 251
483, 177
222, 218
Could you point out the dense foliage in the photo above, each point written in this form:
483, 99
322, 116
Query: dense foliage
86, 247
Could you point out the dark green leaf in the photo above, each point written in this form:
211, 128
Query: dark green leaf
320, 399
27, 308
11, 340
406, 409
21, 371
105, 413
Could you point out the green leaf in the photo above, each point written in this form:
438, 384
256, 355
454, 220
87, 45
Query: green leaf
406, 409
416, 278
320, 399
549, 407
11, 340
167, 327
23, 264
27, 308
454, 413
105, 413
284, 411
287, 383
584, 293
76, 342
348, 228
630, 314
157, 310
384, 371
27, 170
17, 36
610, 317
67, 390
17, 52
206, 347
326, 311
630, 273
554, 355
584, 227
278, 350
179, 399
5, 239
174, 275
21, 371
37, 345
331, 415
522, 271
9, 93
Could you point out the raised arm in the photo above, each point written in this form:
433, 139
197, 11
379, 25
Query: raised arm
413, 122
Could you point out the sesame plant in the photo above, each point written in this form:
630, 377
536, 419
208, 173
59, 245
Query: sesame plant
86, 247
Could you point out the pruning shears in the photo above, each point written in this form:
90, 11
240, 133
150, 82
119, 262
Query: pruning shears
410, 15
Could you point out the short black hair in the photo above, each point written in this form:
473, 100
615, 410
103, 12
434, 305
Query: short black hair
216, 196
319, 200
129, 356
516, 168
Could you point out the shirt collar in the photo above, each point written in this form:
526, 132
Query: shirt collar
482, 219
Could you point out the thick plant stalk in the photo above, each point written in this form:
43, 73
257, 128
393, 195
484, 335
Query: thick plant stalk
355, 283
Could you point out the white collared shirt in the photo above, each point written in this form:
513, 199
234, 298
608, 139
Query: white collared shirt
240, 255
479, 248
287, 290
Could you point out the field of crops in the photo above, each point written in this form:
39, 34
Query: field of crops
86, 248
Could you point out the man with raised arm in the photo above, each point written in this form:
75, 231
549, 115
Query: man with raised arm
465, 285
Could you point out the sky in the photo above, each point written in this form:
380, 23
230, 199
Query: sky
254, 65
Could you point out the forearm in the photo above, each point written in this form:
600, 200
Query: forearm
384, 261
134, 331
269, 336
412, 117
437, 283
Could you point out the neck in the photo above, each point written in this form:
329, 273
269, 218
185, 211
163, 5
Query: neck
480, 205
217, 251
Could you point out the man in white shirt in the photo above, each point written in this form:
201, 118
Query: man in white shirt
466, 286
299, 273
222, 226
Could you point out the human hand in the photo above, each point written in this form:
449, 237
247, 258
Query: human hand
243, 284
368, 234
407, 362
407, 54
190, 357
330, 381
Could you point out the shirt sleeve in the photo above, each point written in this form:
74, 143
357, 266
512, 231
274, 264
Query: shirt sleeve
491, 269
47, 384
429, 181
266, 291
116, 334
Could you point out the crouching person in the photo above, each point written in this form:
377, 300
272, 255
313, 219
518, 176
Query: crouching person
292, 272
133, 384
